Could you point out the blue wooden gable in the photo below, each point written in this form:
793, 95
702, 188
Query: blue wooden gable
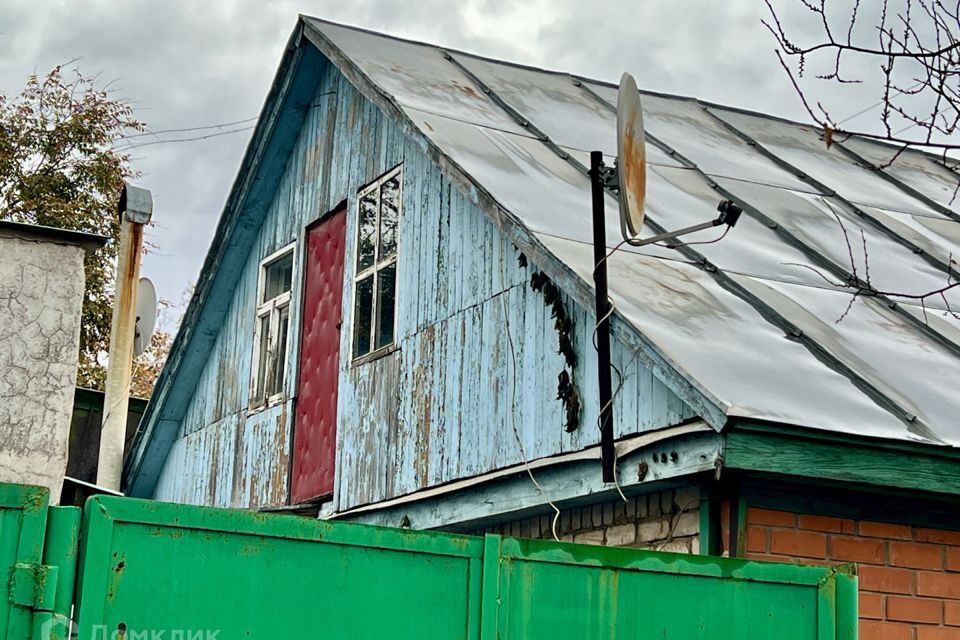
445, 404
441, 407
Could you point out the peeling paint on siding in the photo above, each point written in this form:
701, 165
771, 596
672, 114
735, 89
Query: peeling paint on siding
439, 407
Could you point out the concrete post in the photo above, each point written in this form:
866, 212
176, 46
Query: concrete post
136, 208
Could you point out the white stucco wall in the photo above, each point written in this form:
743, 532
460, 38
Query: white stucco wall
41, 292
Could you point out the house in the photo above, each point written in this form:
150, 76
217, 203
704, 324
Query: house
41, 293
394, 325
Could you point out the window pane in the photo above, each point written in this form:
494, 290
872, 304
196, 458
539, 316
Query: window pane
389, 214
386, 303
263, 352
277, 277
366, 231
279, 359
362, 316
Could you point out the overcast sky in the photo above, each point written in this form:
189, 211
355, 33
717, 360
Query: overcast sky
191, 64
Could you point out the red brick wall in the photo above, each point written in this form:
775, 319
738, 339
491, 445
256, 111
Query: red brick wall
909, 576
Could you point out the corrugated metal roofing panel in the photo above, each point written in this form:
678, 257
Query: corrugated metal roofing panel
878, 344
915, 169
525, 177
725, 344
418, 77
570, 116
944, 323
687, 127
890, 265
682, 197
723, 335
938, 237
802, 147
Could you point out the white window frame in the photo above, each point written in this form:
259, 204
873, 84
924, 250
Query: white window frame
375, 269
271, 309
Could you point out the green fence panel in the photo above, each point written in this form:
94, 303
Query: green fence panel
548, 590
152, 569
23, 522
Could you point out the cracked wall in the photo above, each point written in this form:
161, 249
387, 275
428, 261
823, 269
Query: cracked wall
41, 292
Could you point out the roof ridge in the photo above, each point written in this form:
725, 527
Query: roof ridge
558, 72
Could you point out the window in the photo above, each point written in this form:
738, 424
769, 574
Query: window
375, 283
272, 327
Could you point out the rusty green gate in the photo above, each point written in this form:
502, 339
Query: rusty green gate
157, 571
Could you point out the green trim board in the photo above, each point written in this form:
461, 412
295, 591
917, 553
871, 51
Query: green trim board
711, 527
777, 449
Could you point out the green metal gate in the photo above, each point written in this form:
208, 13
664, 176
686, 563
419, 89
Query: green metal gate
38, 546
150, 570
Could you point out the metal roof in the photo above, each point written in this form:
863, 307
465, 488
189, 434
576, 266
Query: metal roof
752, 319
89, 242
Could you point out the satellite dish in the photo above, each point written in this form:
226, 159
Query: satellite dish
631, 157
146, 316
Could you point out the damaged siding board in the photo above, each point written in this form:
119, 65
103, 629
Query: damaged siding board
439, 407
183, 481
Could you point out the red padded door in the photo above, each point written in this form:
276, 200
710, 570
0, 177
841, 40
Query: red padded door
315, 429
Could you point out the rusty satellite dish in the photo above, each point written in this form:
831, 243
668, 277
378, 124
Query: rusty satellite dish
146, 316
628, 179
631, 157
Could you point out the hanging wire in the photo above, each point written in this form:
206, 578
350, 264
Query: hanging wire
137, 145
513, 419
210, 126
611, 308
874, 106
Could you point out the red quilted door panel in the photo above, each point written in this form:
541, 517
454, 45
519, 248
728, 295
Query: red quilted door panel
315, 430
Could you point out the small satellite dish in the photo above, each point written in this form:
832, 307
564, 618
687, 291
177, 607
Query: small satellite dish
146, 316
631, 157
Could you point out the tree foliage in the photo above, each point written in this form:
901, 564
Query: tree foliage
60, 167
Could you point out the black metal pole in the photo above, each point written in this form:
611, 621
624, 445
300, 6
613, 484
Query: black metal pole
607, 451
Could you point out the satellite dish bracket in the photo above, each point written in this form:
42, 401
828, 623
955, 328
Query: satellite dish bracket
729, 214
610, 176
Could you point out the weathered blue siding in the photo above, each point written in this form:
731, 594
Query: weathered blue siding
438, 408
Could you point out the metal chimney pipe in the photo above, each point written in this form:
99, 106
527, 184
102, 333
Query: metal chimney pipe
135, 208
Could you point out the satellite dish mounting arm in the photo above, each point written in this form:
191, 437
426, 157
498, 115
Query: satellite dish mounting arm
729, 214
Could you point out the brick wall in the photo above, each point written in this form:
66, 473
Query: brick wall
666, 521
909, 576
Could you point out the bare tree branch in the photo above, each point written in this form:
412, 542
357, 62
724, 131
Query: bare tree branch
915, 56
